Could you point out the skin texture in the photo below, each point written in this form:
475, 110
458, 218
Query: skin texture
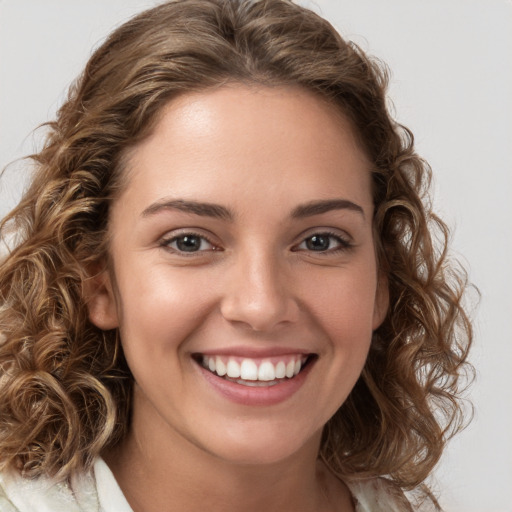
254, 284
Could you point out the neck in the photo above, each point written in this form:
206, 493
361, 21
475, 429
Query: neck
185, 480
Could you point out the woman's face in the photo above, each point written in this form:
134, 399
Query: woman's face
242, 243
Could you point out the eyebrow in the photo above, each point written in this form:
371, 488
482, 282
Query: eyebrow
324, 206
195, 207
220, 212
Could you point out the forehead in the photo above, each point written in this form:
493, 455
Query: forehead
236, 138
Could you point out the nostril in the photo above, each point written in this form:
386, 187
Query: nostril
262, 316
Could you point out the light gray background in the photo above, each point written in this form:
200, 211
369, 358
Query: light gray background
452, 84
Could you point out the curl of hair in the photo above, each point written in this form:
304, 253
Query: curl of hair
64, 385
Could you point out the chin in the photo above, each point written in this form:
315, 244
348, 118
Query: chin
260, 444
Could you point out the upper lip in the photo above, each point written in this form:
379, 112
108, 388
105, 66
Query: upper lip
254, 352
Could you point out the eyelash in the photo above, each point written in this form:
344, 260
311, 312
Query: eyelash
343, 243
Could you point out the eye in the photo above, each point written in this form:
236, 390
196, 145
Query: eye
188, 243
323, 242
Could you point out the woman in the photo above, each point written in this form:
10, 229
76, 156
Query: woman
228, 288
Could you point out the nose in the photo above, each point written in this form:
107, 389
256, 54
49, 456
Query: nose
259, 294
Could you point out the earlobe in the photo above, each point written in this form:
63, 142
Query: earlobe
381, 302
101, 302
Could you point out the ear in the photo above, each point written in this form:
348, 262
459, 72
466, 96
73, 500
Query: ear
381, 305
101, 301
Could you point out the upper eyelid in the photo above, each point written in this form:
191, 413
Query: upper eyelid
176, 233
329, 231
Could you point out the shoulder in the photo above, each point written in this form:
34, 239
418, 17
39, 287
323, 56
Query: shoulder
18, 494
377, 495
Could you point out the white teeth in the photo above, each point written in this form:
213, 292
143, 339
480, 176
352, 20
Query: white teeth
248, 369
233, 369
220, 367
266, 371
280, 370
290, 367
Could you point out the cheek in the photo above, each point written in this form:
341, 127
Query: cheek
344, 302
161, 308
342, 309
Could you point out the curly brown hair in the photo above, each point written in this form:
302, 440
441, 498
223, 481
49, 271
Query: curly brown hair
65, 388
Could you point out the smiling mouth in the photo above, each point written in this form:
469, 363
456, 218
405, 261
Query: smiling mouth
255, 372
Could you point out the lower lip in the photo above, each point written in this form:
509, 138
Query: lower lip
251, 395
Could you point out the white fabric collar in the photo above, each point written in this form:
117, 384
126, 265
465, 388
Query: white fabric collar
99, 491
110, 496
